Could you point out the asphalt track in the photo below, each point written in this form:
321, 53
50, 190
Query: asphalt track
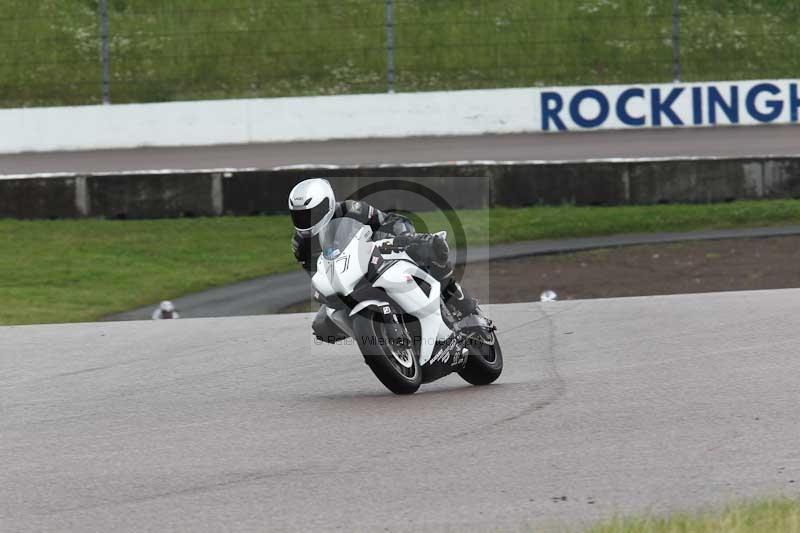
699, 142
242, 424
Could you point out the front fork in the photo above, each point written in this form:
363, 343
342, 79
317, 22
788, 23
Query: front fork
398, 330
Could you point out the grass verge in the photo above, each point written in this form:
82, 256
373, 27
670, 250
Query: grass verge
201, 49
81, 270
775, 516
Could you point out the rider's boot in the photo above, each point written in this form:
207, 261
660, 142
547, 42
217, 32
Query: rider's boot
457, 298
454, 295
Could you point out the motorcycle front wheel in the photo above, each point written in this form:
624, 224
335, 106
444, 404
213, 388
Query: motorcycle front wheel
391, 357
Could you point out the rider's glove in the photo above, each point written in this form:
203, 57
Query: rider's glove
425, 248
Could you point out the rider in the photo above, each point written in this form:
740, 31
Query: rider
312, 205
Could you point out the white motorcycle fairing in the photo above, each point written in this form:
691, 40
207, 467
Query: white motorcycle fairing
344, 270
342, 274
368, 303
399, 283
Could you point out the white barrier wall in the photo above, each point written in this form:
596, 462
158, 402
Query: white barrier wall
399, 115
265, 120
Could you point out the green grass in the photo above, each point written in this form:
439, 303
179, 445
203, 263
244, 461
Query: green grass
509, 225
200, 49
79, 270
777, 516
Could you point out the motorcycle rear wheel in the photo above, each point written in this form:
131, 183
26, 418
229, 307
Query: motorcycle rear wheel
395, 364
485, 360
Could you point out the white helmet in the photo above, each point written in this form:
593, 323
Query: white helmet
312, 205
167, 306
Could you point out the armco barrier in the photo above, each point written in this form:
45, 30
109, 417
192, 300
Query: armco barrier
250, 192
400, 115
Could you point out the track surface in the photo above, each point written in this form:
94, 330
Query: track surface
644, 404
742, 141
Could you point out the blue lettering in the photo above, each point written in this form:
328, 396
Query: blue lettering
552, 104
665, 106
697, 105
794, 101
575, 108
731, 108
775, 106
622, 110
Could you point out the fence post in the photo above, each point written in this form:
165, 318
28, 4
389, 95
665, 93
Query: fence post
676, 40
390, 45
104, 51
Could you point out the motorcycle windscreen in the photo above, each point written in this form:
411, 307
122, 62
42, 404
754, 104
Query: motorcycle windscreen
336, 235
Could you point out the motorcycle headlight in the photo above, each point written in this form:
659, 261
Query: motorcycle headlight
331, 253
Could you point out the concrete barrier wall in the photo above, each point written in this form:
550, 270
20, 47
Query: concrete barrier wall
400, 115
252, 192
266, 120
43, 198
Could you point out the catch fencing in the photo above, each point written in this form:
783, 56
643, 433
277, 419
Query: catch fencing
124, 51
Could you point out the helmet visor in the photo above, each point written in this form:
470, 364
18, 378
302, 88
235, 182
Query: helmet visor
305, 219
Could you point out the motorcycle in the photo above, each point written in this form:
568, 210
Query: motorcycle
378, 295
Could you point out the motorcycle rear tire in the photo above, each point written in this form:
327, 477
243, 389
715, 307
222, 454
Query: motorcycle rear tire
481, 369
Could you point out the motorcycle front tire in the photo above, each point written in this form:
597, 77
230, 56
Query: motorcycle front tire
401, 374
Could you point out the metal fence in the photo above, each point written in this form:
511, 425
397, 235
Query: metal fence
54, 52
